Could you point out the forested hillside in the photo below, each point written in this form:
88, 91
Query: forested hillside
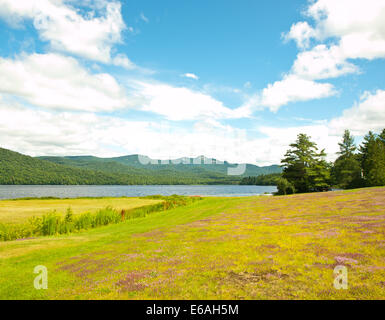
201, 167
16, 168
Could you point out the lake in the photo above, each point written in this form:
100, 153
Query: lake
14, 192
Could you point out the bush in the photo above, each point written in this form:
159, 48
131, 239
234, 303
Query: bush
284, 187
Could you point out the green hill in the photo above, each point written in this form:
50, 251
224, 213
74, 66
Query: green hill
202, 167
146, 174
16, 168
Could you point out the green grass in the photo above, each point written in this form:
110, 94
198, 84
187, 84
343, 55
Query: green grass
18, 211
282, 247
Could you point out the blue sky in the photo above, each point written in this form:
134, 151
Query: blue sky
234, 80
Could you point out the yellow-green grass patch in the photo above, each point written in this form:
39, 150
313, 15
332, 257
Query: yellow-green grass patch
19, 211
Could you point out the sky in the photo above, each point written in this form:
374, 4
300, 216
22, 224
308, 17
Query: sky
231, 80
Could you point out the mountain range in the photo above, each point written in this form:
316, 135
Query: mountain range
16, 168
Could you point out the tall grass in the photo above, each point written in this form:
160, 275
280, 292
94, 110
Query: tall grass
54, 223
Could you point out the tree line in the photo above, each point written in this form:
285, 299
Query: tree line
262, 180
305, 168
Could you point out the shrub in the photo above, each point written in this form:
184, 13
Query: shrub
284, 187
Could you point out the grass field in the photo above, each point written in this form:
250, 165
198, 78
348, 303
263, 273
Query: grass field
217, 248
18, 211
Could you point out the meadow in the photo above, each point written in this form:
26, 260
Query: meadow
283, 247
18, 211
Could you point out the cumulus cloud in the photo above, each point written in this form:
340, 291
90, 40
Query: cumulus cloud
58, 82
180, 103
38, 132
91, 36
290, 88
293, 88
26, 130
347, 17
122, 61
345, 30
322, 62
367, 114
301, 33
358, 29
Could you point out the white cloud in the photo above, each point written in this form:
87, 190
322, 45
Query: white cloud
191, 76
58, 82
66, 29
290, 88
25, 130
301, 33
346, 17
179, 103
322, 62
38, 132
351, 29
367, 114
122, 61
358, 27
371, 46
294, 88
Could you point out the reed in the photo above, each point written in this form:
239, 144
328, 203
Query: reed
54, 223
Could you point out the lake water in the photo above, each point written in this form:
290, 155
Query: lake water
14, 192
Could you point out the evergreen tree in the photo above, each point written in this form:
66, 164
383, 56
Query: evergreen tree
372, 157
381, 136
346, 171
376, 160
364, 151
347, 146
319, 173
304, 167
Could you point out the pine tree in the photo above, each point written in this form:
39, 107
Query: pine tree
381, 136
372, 157
347, 146
304, 167
346, 171
365, 156
376, 160
364, 151
319, 173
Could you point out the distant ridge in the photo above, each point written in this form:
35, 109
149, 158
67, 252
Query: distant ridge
199, 165
16, 168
